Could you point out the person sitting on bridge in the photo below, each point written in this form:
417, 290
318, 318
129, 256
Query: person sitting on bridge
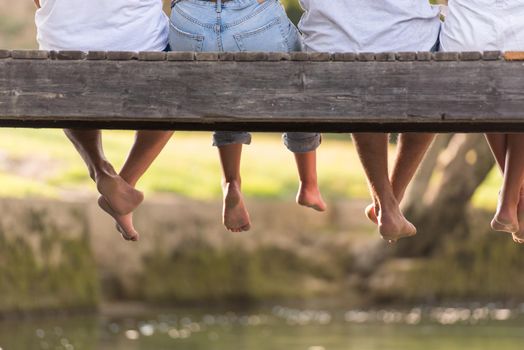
245, 25
109, 25
485, 26
378, 26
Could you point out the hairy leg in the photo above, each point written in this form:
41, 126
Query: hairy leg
120, 196
372, 150
234, 213
309, 193
147, 146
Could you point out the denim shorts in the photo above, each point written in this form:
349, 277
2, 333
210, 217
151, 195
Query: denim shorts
237, 25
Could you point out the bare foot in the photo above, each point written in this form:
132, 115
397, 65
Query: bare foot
234, 213
371, 212
124, 223
309, 196
121, 197
393, 226
518, 236
500, 225
505, 221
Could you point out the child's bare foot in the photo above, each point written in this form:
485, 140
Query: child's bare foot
502, 225
392, 225
124, 223
371, 212
505, 220
234, 213
518, 237
121, 197
309, 196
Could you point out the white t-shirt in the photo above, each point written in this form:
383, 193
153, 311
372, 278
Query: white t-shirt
369, 25
104, 25
483, 25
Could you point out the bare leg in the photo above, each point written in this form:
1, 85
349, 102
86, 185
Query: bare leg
506, 219
410, 152
309, 193
411, 149
120, 196
147, 146
498, 145
234, 213
372, 149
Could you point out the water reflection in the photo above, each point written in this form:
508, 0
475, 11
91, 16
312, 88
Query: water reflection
477, 326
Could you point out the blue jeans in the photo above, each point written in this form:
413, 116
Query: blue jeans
238, 25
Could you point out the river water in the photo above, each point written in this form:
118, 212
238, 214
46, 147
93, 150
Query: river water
488, 327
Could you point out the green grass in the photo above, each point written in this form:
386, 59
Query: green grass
188, 166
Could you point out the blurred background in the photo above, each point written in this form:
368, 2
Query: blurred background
298, 280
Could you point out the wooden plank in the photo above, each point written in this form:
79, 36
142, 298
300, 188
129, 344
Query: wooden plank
70, 55
206, 56
96, 55
366, 56
251, 56
299, 56
470, 56
406, 56
265, 96
424, 56
278, 56
152, 56
29, 55
491, 55
345, 56
226, 56
181, 56
386, 57
446, 56
514, 56
319, 56
121, 55
5, 54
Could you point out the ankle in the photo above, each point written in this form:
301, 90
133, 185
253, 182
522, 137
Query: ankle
387, 205
231, 183
130, 180
102, 169
310, 184
399, 195
508, 201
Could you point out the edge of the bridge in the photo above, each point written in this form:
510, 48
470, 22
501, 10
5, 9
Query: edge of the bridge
263, 56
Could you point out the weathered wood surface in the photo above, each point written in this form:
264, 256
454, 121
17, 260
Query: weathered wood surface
469, 91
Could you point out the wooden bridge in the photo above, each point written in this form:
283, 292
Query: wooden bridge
344, 92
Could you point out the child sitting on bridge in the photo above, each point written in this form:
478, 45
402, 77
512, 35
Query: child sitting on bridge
483, 26
245, 25
378, 26
108, 25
